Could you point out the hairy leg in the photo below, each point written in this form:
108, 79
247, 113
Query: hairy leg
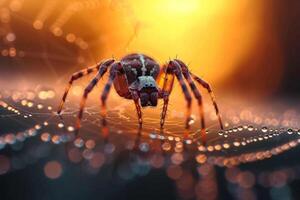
197, 95
207, 86
78, 75
178, 73
112, 74
89, 88
135, 98
168, 82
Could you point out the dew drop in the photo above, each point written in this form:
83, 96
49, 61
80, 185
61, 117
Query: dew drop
236, 143
71, 128
290, 131
250, 128
240, 128
221, 133
264, 129
60, 125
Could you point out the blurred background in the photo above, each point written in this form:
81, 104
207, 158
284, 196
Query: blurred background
249, 46
247, 49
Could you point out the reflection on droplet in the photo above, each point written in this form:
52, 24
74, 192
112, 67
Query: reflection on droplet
144, 147
45, 137
290, 131
226, 145
201, 158
60, 125
56, 139
71, 128
166, 146
264, 129
79, 142
250, 128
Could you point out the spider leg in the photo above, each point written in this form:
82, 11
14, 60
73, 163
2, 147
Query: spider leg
78, 75
165, 93
207, 86
112, 74
197, 95
103, 68
178, 73
135, 98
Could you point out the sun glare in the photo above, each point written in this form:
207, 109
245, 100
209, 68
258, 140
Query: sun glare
210, 35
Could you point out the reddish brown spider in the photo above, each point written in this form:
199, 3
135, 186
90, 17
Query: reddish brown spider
136, 77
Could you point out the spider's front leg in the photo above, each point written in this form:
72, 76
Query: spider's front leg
79, 75
175, 69
135, 98
168, 82
112, 75
184, 70
103, 68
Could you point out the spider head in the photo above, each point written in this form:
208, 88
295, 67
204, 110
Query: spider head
147, 90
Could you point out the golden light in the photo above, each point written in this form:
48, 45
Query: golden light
213, 36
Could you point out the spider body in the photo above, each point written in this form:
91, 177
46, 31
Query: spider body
137, 77
138, 73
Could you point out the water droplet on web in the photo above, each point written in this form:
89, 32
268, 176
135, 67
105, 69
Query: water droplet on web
60, 125
236, 143
71, 128
264, 129
250, 128
290, 131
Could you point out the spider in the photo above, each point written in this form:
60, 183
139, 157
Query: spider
137, 76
